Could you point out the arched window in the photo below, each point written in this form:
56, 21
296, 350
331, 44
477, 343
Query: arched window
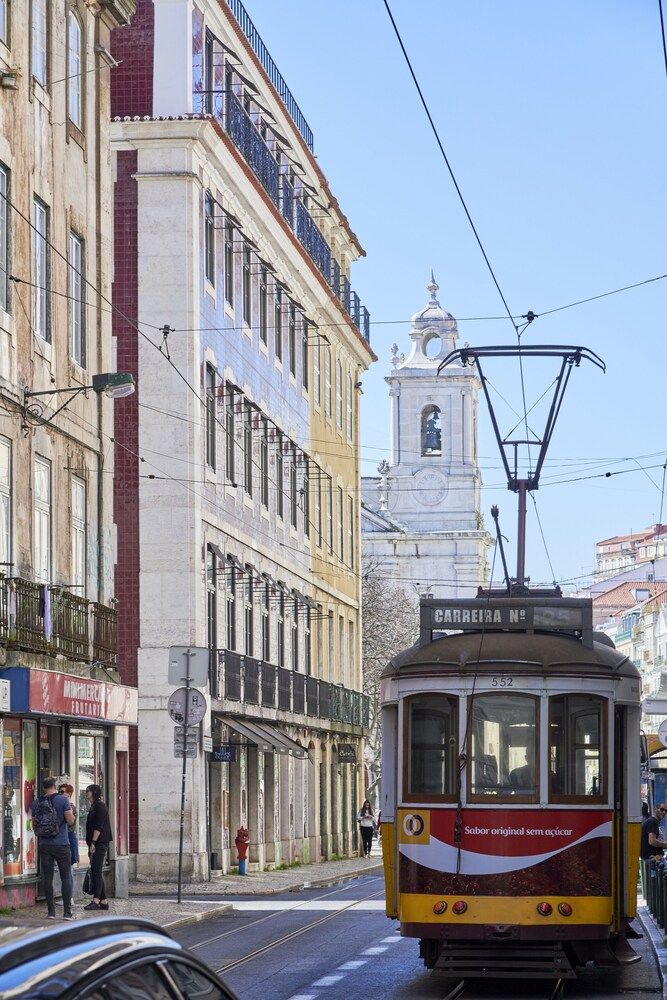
74, 70
431, 431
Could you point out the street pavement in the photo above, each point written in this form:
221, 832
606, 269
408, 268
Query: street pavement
328, 944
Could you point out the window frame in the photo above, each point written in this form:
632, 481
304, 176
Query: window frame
75, 80
44, 5
341, 524
247, 285
278, 322
513, 798
249, 615
592, 800
209, 238
5, 261
77, 296
291, 338
264, 463
7, 508
349, 408
317, 368
422, 797
210, 424
328, 395
228, 234
305, 378
248, 456
79, 534
6, 29
44, 507
230, 608
264, 305
41, 272
230, 435
265, 613
339, 395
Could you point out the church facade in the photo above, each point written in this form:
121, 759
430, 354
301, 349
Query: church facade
422, 525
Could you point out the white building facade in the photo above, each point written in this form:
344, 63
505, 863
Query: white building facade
421, 519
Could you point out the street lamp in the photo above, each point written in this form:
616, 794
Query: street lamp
114, 385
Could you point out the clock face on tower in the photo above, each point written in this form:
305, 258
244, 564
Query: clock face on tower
429, 487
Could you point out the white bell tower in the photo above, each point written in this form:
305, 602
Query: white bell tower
432, 482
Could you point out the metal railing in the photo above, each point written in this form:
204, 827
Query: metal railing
38, 618
653, 875
262, 53
251, 680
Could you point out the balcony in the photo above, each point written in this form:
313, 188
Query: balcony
239, 126
55, 622
256, 682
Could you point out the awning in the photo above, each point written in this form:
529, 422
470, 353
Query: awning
265, 737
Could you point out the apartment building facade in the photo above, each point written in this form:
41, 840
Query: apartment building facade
233, 261
63, 712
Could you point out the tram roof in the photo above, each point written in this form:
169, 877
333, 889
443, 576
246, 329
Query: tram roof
518, 652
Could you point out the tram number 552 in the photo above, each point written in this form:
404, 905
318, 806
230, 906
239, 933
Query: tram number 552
501, 681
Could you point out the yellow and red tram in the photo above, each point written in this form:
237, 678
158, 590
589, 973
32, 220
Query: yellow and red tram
510, 790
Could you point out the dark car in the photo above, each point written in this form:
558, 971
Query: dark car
112, 958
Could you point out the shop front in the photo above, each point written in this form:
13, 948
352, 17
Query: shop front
70, 727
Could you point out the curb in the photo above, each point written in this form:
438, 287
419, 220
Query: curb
195, 918
656, 940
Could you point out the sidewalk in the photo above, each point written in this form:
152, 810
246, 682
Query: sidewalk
161, 911
268, 882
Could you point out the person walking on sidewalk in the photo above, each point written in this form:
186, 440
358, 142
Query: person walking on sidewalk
98, 838
366, 821
51, 815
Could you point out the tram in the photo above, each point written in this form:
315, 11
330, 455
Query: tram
510, 793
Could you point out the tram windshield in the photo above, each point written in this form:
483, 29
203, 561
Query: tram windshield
431, 721
503, 734
575, 747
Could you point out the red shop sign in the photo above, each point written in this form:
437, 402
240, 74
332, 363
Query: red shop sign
53, 693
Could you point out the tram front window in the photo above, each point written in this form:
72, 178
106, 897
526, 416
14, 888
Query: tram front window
503, 734
575, 747
431, 748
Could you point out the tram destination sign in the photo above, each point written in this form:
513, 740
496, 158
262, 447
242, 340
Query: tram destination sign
462, 618
573, 615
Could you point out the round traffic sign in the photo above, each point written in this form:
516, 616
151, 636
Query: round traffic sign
196, 706
662, 733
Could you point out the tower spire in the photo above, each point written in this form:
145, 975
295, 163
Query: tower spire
433, 288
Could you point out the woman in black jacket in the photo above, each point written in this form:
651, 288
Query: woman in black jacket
98, 838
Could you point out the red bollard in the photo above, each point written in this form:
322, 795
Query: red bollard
242, 840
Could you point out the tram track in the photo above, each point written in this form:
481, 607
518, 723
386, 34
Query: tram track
459, 991
292, 935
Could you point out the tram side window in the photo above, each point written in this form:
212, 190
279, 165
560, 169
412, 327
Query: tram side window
503, 740
575, 747
431, 748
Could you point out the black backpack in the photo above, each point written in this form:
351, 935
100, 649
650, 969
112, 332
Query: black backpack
45, 822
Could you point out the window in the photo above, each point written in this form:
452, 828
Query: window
339, 396
194, 983
247, 287
42, 520
351, 658
431, 748
281, 629
249, 614
327, 381
212, 618
263, 305
350, 407
210, 417
350, 531
280, 477
209, 237
142, 982
231, 608
431, 432
74, 70
5, 507
230, 431
503, 747
295, 631
4, 21
576, 745
341, 525
330, 512
77, 307
318, 507
305, 493
317, 365
79, 536
247, 450
342, 673
229, 261
293, 488
41, 269
38, 42
291, 338
278, 322
307, 644
264, 463
4, 239
304, 352
266, 622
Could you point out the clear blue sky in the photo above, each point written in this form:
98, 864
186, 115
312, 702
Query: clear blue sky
553, 117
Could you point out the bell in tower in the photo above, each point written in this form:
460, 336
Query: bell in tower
431, 431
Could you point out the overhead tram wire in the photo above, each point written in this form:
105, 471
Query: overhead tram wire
662, 30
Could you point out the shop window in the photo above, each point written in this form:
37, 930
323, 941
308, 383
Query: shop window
11, 796
50, 752
576, 738
88, 767
503, 742
431, 731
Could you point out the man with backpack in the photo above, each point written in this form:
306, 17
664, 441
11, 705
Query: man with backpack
51, 814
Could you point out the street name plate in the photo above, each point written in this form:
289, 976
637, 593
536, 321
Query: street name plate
189, 751
196, 709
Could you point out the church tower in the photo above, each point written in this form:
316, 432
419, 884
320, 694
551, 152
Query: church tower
433, 478
421, 518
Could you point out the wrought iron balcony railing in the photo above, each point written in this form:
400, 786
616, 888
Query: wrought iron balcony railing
45, 619
254, 682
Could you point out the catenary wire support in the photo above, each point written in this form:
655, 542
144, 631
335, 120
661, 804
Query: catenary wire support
570, 357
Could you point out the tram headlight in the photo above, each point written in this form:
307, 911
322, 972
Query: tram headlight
459, 907
544, 909
440, 907
565, 909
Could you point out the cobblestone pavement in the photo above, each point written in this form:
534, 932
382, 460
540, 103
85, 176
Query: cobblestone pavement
266, 883
161, 911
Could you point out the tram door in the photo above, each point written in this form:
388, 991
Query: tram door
619, 861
